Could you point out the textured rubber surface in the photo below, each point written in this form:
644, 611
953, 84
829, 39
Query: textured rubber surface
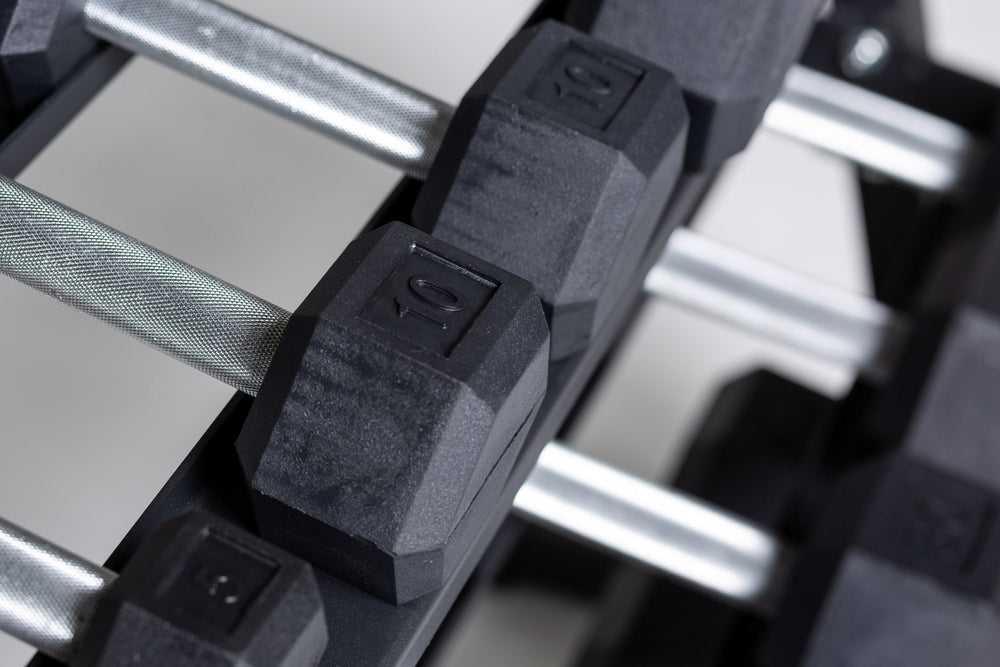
201, 592
186, 313
556, 168
398, 400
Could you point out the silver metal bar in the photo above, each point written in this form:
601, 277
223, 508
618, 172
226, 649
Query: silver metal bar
786, 306
47, 595
404, 127
186, 313
659, 528
874, 131
231, 334
376, 115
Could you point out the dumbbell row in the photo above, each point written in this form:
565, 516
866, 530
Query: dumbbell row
402, 315
231, 335
48, 595
404, 127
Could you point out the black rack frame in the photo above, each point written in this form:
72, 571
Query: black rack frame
366, 630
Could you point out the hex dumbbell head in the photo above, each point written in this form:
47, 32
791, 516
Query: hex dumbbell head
404, 383
200, 591
40, 42
902, 570
903, 566
730, 57
556, 167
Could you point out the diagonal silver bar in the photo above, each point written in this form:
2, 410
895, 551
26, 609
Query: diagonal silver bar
658, 528
231, 334
365, 110
47, 594
708, 277
403, 127
182, 311
874, 131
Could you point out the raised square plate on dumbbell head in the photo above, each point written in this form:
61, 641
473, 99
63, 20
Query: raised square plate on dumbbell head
556, 167
406, 380
201, 591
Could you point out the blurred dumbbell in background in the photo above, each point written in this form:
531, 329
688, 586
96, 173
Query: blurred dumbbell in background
91, 430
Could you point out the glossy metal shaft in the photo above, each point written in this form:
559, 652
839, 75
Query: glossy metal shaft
379, 117
47, 595
874, 131
186, 313
786, 306
404, 127
661, 529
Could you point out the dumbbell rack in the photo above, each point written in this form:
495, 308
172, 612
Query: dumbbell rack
210, 477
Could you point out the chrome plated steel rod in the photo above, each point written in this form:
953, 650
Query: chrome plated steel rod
367, 111
47, 595
182, 311
786, 306
874, 131
403, 127
658, 528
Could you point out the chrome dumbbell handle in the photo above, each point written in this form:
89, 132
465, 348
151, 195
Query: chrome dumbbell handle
365, 110
186, 313
47, 594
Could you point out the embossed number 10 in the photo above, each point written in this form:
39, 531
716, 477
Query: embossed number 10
428, 301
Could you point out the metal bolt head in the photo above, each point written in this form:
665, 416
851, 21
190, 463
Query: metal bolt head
865, 52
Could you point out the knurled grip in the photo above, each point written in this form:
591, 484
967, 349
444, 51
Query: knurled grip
369, 112
186, 313
47, 594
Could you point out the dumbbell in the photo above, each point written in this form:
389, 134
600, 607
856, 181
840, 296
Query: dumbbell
399, 395
198, 591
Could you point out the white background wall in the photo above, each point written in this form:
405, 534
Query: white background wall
92, 423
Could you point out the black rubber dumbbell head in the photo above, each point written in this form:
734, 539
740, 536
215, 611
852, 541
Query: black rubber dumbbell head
730, 56
405, 382
556, 167
903, 566
41, 41
902, 569
200, 591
